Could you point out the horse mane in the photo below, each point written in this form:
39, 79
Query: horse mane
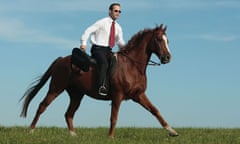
135, 39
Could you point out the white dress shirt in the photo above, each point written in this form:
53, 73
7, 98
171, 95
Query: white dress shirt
100, 32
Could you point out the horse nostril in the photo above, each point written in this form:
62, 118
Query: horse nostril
168, 57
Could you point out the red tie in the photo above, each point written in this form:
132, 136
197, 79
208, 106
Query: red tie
112, 35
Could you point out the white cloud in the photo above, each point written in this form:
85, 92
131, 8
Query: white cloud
181, 4
52, 6
96, 5
15, 31
221, 37
228, 4
213, 37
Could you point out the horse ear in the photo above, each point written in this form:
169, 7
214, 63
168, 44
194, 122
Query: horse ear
164, 29
160, 27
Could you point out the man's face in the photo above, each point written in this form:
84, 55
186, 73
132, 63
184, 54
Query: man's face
115, 12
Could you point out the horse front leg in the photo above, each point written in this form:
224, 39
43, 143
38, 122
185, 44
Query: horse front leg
145, 102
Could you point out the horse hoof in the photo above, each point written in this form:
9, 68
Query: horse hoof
172, 132
72, 133
31, 131
111, 137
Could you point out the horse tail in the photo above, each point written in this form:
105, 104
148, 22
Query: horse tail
36, 86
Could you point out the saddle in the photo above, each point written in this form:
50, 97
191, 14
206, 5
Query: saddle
82, 60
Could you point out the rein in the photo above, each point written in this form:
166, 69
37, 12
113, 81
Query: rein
153, 63
150, 62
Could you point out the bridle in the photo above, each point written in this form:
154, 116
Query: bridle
150, 62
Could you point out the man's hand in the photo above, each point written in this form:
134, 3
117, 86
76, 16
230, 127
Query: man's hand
121, 47
83, 47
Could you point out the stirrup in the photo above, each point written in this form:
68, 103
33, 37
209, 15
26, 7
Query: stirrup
102, 91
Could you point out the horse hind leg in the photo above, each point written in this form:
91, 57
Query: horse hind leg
144, 101
42, 107
75, 100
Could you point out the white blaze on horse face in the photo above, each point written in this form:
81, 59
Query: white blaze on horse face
164, 37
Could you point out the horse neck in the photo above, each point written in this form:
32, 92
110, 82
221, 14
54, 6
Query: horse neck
140, 55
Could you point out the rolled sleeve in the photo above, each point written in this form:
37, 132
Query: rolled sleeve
90, 30
120, 40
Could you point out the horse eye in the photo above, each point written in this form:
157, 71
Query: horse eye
159, 39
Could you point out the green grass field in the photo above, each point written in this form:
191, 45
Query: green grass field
53, 135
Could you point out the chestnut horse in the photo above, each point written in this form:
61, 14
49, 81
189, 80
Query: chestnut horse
128, 80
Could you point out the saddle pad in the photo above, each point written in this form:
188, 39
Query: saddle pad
81, 59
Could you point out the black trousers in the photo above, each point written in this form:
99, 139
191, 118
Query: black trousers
102, 55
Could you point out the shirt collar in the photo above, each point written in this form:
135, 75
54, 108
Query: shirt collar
111, 20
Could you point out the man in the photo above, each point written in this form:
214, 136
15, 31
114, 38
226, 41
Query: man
104, 34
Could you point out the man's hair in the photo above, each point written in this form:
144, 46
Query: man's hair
112, 5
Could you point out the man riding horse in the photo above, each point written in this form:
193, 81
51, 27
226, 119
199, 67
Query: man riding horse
104, 33
127, 82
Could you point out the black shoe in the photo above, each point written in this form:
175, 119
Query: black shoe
102, 91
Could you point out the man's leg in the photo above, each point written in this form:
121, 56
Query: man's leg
102, 62
101, 81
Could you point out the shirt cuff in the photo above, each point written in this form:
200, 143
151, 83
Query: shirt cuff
83, 42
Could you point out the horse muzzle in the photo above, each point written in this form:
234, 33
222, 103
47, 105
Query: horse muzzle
165, 59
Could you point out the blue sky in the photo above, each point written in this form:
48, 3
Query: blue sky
199, 88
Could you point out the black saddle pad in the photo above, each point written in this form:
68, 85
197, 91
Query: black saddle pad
82, 59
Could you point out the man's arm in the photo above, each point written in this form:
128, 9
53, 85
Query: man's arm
91, 29
120, 41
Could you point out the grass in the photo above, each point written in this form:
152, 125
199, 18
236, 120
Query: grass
54, 135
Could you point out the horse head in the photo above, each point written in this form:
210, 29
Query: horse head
159, 44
